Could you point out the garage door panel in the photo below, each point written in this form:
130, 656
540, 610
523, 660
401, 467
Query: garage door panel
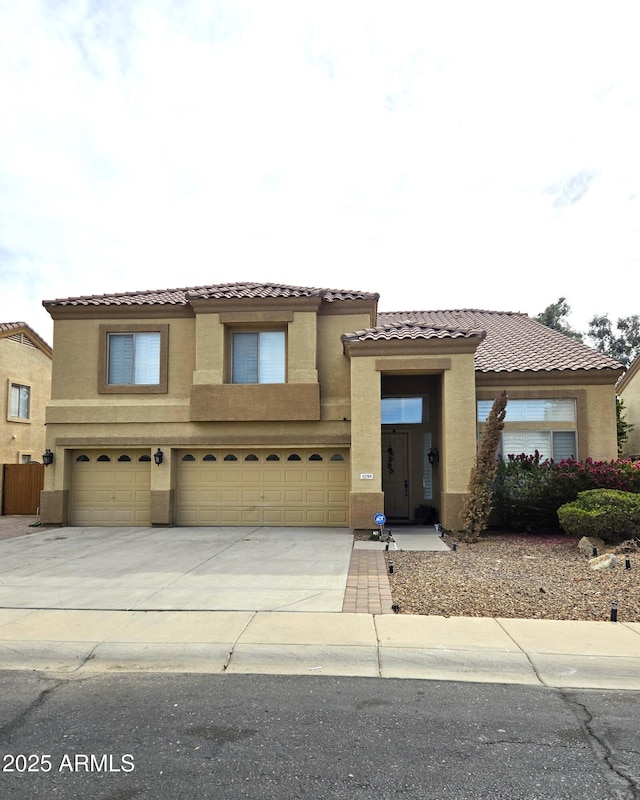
230, 496
251, 477
110, 492
278, 491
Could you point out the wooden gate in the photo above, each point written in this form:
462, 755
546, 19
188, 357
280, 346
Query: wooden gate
22, 485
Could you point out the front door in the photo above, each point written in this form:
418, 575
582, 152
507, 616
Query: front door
395, 472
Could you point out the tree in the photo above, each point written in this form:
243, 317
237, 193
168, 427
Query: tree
478, 503
554, 316
624, 428
622, 344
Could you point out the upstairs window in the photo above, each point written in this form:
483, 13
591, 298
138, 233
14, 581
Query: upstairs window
19, 401
258, 357
134, 358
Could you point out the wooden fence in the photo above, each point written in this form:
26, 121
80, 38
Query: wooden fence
21, 487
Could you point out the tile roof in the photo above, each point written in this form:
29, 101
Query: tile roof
216, 291
11, 329
411, 329
511, 341
514, 342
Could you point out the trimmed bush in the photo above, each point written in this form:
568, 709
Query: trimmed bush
608, 513
528, 491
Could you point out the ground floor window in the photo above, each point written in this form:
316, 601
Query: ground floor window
557, 445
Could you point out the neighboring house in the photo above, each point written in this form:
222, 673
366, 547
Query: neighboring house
282, 405
25, 369
629, 392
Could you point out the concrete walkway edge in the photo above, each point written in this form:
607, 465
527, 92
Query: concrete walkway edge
561, 654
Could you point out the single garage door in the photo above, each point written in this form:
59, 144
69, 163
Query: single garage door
111, 487
263, 487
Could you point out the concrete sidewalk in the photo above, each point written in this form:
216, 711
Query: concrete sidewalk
596, 655
295, 617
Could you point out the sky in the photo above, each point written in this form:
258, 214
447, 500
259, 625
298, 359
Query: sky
459, 154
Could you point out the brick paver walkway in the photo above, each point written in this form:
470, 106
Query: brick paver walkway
368, 590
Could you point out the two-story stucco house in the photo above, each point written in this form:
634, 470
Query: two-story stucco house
264, 404
25, 369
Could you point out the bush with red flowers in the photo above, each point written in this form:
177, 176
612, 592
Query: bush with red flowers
528, 491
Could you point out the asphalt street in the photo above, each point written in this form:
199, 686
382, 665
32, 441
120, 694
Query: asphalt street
121, 736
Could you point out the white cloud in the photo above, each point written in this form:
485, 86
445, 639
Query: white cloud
484, 147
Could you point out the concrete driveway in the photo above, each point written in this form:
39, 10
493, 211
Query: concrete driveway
159, 569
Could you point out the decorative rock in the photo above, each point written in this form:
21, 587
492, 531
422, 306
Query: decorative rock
587, 543
603, 562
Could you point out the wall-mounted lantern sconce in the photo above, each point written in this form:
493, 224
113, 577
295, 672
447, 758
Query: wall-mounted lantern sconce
433, 455
158, 456
47, 457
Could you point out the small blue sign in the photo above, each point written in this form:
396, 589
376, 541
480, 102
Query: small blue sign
379, 519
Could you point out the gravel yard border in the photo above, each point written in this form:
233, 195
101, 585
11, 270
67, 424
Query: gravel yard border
517, 576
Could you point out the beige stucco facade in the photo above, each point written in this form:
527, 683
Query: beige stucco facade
25, 367
316, 437
629, 393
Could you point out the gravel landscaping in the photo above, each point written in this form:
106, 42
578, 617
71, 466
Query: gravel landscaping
510, 575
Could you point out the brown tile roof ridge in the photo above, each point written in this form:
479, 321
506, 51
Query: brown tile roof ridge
146, 297
12, 326
409, 329
183, 295
250, 290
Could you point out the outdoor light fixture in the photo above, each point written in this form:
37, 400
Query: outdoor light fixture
433, 455
47, 457
158, 456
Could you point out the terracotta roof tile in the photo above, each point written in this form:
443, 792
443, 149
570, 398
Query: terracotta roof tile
244, 290
218, 291
9, 328
411, 329
514, 342
155, 297
12, 326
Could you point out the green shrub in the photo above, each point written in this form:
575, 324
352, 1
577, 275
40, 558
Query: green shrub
528, 491
608, 513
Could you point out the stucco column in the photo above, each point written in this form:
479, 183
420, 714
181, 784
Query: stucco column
162, 492
54, 498
458, 437
366, 498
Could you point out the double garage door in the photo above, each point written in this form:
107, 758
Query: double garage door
215, 487
260, 487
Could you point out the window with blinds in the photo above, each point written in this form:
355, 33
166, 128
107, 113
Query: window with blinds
259, 357
133, 359
19, 401
533, 410
557, 445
